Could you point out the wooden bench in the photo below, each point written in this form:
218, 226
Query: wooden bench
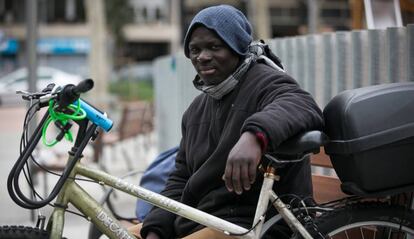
136, 119
326, 187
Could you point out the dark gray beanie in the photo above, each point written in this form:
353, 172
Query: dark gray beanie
229, 23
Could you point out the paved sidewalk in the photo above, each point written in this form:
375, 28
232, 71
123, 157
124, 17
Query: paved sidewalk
75, 227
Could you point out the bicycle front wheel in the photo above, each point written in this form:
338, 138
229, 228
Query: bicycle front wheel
365, 220
22, 232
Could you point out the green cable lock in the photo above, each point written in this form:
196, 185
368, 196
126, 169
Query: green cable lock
63, 118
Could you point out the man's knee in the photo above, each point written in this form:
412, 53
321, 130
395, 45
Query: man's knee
136, 230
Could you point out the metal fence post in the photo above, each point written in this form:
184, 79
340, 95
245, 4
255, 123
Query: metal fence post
290, 55
360, 58
377, 56
343, 61
299, 61
309, 64
329, 64
396, 47
410, 52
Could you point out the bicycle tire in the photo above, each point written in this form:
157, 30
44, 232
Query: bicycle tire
22, 232
364, 220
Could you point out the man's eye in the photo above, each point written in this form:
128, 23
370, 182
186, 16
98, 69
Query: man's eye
193, 50
216, 47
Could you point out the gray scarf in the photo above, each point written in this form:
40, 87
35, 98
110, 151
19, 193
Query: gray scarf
218, 91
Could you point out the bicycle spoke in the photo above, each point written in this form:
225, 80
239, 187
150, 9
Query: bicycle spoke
356, 231
346, 234
362, 233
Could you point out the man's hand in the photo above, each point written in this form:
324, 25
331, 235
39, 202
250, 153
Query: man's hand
242, 163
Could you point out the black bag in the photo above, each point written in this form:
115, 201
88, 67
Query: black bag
262, 49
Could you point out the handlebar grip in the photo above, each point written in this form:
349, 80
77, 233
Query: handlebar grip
70, 92
83, 86
94, 115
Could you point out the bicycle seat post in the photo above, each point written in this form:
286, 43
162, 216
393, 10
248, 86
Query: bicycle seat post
269, 195
269, 178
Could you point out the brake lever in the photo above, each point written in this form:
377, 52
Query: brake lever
46, 98
30, 96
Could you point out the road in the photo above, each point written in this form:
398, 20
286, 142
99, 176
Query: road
11, 119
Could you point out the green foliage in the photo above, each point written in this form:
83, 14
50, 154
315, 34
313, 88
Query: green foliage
133, 90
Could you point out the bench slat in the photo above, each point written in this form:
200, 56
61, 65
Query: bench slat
136, 119
326, 188
321, 159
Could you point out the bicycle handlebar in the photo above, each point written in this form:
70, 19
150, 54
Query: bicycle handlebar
97, 117
83, 86
71, 93
68, 95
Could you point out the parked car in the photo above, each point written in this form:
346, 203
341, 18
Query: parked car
18, 80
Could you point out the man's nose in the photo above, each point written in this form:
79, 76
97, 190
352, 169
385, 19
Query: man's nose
204, 55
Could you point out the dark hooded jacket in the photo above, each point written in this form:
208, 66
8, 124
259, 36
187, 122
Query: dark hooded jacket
265, 100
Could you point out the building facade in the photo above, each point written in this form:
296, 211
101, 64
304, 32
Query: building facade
156, 29
64, 36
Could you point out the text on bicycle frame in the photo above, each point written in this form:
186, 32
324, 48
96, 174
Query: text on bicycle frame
113, 226
162, 201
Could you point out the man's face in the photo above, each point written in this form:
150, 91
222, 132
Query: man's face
213, 60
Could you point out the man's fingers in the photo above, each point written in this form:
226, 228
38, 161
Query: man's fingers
245, 179
252, 172
227, 177
235, 178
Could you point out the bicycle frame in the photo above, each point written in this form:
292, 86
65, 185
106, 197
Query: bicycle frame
68, 191
102, 218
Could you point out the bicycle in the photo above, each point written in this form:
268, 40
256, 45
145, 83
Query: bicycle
355, 214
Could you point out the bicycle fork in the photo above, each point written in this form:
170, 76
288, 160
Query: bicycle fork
266, 195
